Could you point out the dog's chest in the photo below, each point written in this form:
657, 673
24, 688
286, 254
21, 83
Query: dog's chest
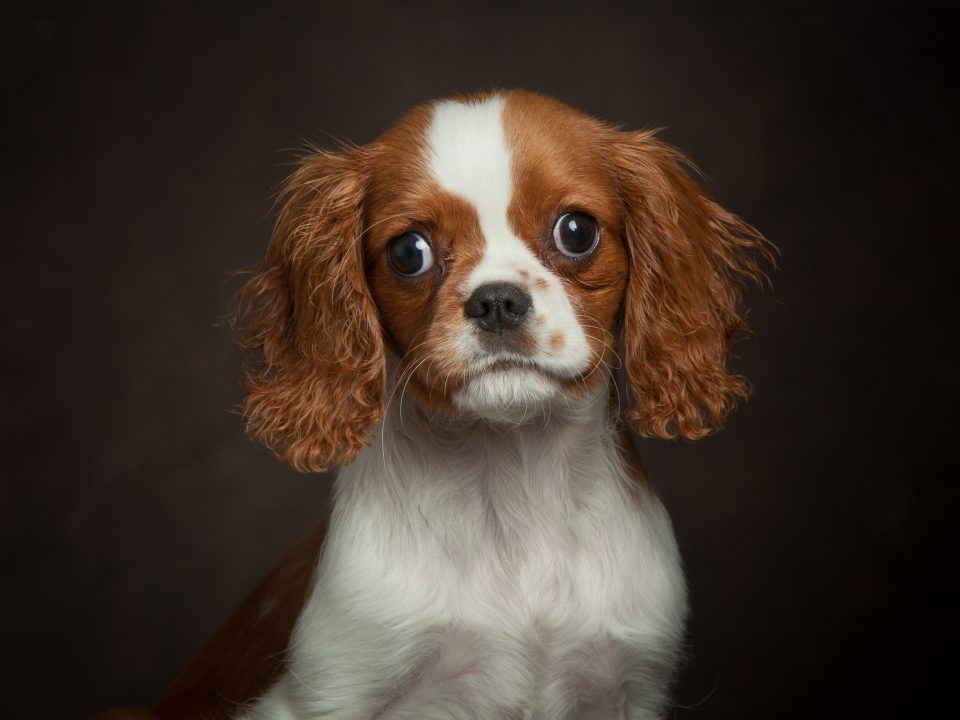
532, 543
535, 571
541, 567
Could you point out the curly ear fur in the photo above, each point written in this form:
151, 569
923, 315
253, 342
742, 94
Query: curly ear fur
688, 258
308, 311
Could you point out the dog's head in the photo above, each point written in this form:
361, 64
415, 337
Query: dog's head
506, 249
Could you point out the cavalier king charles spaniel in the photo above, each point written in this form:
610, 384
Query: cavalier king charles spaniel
461, 316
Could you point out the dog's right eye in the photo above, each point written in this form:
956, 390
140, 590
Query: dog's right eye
410, 254
576, 234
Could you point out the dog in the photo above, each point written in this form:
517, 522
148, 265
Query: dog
444, 314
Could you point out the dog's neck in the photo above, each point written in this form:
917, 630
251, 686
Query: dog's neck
468, 478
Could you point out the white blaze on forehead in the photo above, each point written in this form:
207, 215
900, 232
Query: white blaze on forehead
468, 156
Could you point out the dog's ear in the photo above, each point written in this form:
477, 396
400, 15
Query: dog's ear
688, 258
307, 310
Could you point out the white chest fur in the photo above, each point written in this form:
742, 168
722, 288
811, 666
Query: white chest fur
484, 572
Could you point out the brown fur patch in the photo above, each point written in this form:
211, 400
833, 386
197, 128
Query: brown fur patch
688, 258
669, 256
422, 316
559, 166
307, 312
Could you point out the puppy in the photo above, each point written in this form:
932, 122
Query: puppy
440, 314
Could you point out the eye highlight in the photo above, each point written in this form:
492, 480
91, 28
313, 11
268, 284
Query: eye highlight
576, 234
410, 254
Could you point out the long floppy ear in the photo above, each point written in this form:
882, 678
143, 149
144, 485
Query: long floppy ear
688, 258
319, 385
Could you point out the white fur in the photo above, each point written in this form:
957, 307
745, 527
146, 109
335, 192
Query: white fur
481, 571
469, 156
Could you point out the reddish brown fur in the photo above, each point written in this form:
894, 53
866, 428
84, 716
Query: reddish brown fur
559, 166
308, 310
688, 257
420, 314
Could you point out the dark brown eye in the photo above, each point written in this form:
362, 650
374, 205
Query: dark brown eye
410, 254
576, 234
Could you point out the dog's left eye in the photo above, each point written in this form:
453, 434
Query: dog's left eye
410, 254
576, 234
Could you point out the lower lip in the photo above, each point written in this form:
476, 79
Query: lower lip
504, 366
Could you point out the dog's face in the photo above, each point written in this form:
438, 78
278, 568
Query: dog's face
495, 254
505, 249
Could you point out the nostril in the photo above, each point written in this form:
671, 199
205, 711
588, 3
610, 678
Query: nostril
476, 307
517, 304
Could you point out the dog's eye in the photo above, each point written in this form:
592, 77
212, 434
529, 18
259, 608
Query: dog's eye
410, 254
576, 234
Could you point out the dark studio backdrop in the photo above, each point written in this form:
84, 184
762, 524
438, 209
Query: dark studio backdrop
144, 143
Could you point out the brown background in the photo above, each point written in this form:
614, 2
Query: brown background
144, 141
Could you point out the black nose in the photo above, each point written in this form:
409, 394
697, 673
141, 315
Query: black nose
498, 307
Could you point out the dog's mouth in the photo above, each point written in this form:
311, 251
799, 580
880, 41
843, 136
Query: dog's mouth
500, 365
507, 387
504, 365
